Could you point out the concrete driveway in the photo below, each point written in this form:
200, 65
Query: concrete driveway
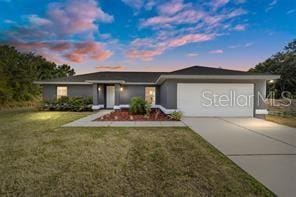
264, 149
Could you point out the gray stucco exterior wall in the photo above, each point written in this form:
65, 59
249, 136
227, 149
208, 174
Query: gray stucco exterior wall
168, 91
50, 91
130, 91
117, 94
95, 94
157, 94
260, 86
92, 90
80, 91
101, 94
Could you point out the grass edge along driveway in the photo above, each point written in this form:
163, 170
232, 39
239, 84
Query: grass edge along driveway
39, 157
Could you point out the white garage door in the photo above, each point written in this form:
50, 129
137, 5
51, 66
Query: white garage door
215, 99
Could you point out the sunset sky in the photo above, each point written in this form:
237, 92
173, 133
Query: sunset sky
152, 35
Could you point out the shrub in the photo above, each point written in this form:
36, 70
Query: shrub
137, 106
68, 104
176, 115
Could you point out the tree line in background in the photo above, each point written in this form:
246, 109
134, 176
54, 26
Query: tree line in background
282, 63
19, 70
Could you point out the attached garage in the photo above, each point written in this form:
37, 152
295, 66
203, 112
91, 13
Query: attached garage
216, 99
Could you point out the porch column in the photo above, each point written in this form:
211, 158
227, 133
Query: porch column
95, 94
117, 94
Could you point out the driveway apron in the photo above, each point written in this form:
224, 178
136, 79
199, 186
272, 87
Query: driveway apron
265, 150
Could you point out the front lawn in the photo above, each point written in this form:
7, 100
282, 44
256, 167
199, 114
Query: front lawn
39, 157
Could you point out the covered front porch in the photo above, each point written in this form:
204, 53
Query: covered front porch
106, 96
116, 95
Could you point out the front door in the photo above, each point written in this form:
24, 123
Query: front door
110, 96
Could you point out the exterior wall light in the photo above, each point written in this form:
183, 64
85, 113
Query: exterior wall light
271, 81
121, 89
99, 88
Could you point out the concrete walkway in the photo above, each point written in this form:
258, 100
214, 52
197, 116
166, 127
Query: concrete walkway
264, 149
88, 122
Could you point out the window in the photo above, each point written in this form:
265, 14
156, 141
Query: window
61, 91
150, 95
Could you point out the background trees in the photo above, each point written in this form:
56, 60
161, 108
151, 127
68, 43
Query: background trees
284, 64
19, 70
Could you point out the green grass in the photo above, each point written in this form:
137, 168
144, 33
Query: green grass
39, 157
288, 121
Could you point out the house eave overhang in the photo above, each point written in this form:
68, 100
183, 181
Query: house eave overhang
162, 78
105, 81
60, 83
89, 82
119, 82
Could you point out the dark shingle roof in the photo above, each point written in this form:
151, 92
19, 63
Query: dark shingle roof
147, 77
142, 77
201, 70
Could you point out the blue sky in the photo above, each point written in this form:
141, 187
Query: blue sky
152, 35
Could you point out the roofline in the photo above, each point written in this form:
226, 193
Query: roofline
60, 82
105, 81
162, 78
91, 82
254, 77
140, 83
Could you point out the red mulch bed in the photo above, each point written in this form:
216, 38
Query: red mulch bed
124, 115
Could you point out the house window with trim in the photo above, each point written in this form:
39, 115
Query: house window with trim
150, 95
62, 91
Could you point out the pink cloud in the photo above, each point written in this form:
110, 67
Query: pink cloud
240, 28
171, 7
65, 51
107, 67
36, 20
145, 55
184, 17
176, 12
146, 49
63, 21
91, 50
137, 43
218, 3
237, 12
74, 16
60, 46
217, 51
190, 38
180, 23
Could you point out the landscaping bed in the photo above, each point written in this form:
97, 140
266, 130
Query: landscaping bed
125, 115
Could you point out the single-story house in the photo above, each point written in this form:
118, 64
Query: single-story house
195, 91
